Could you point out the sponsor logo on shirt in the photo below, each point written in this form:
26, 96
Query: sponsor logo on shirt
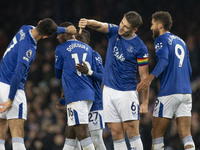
29, 53
22, 35
117, 55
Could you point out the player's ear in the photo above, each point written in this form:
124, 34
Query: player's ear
135, 29
160, 25
45, 36
39, 22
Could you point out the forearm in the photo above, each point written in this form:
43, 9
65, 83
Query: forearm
15, 81
58, 73
61, 30
97, 76
145, 95
160, 67
97, 25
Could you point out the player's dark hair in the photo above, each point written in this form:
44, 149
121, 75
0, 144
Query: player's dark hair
134, 19
84, 36
163, 17
65, 24
46, 27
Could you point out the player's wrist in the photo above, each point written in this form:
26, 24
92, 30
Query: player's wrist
10, 102
90, 72
67, 30
145, 103
62, 101
89, 22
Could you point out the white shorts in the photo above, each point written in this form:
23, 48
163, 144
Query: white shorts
18, 109
77, 112
176, 105
96, 120
120, 106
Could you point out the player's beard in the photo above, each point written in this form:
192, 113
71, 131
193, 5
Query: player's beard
156, 33
128, 33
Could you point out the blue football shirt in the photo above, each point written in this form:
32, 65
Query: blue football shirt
21, 49
76, 86
175, 79
122, 60
98, 67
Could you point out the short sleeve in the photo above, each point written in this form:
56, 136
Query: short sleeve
142, 56
58, 59
112, 29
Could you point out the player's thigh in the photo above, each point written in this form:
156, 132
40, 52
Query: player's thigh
96, 120
70, 132
184, 126
18, 109
117, 130
16, 127
3, 128
131, 128
78, 112
159, 126
166, 106
81, 131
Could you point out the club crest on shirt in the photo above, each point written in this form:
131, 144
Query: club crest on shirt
130, 49
29, 53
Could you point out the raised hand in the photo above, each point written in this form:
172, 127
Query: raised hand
82, 23
71, 30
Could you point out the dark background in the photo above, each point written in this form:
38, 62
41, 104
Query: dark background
44, 129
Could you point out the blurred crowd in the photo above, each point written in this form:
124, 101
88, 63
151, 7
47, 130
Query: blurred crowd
45, 126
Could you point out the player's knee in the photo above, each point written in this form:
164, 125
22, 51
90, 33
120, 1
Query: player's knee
96, 136
82, 135
156, 133
82, 132
131, 128
117, 134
